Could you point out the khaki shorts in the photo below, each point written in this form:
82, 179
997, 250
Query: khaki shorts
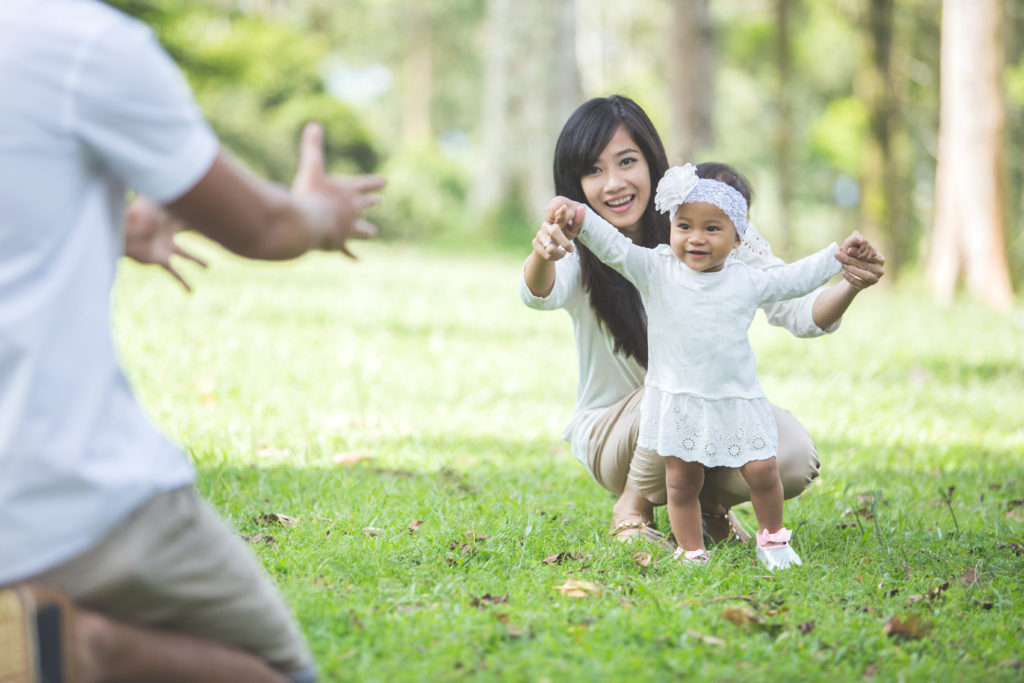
175, 565
614, 458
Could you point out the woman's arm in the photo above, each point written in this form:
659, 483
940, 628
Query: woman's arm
550, 244
817, 312
863, 266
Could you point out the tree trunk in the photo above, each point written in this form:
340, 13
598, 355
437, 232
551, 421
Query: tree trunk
417, 75
882, 185
692, 77
492, 169
783, 128
968, 233
549, 95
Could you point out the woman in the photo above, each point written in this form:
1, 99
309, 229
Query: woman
610, 157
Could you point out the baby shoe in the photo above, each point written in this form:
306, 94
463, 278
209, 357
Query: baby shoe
776, 556
692, 558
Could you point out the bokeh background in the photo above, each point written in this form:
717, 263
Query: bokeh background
901, 118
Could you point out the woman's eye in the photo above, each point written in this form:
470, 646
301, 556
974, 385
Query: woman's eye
592, 170
628, 161
713, 228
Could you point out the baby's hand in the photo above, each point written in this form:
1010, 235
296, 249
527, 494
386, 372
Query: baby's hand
566, 214
863, 266
563, 219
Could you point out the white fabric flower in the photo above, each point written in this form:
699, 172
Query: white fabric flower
677, 183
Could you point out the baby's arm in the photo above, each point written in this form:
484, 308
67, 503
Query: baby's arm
800, 277
615, 249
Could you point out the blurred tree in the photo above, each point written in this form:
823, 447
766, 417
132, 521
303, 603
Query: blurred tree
258, 81
417, 74
783, 125
967, 237
884, 186
491, 180
692, 80
525, 101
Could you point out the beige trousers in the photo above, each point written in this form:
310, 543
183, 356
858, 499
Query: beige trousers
614, 458
175, 565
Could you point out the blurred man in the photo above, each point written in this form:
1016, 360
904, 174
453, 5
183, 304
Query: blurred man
96, 505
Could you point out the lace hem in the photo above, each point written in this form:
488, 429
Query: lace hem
726, 432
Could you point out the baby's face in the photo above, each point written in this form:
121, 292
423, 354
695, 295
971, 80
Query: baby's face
702, 236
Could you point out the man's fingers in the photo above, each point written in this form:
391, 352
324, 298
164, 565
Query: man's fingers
364, 230
191, 257
367, 201
177, 276
312, 163
367, 183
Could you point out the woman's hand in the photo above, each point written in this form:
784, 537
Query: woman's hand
149, 233
863, 266
563, 219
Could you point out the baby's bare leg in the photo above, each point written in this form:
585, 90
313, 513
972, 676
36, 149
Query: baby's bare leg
765, 492
683, 481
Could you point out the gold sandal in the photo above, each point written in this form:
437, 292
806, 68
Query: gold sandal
737, 534
627, 532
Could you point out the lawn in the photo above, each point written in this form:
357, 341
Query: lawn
403, 413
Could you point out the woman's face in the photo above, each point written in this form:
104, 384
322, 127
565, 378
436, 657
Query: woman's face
618, 186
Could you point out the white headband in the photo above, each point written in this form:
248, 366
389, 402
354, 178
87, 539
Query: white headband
680, 185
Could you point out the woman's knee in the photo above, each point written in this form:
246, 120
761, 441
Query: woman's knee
797, 458
647, 475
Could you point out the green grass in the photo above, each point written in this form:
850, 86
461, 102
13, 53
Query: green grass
427, 364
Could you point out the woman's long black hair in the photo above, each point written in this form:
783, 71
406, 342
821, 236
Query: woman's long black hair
615, 301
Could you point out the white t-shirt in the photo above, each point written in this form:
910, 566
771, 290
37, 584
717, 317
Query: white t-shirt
702, 400
606, 377
91, 105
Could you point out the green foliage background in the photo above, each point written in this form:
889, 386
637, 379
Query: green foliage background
260, 70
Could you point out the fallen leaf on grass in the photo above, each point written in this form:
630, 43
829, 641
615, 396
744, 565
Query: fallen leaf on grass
930, 595
559, 558
372, 531
742, 616
473, 536
513, 630
806, 627
913, 627
488, 599
870, 671
578, 588
260, 538
349, 458
276, 518
970, 577
710, 640
1012, 663
415, 524
1017, 548
464, 548
642, 558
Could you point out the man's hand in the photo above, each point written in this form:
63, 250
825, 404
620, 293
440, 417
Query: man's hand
347, 197
149, 233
